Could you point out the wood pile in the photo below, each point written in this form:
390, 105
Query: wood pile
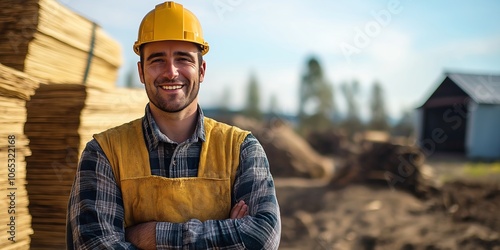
49, 41
391, 165
15, 222
61, 119
52, 128
105, 109
79, 62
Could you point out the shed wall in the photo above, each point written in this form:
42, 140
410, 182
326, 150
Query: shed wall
483, 135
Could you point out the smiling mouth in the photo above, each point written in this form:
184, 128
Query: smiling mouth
171, 87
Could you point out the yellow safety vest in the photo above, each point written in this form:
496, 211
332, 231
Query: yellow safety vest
154, 198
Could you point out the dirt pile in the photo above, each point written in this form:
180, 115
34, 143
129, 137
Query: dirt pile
366, 161
471, 202
375, 217
384, 163
379, 195
288, 153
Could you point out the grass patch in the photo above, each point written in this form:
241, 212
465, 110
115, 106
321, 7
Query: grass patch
480, 169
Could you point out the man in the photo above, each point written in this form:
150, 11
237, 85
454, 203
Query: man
173, 179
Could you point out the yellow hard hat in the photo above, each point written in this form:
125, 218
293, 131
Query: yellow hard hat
170, 21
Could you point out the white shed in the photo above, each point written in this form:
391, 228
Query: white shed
462, 116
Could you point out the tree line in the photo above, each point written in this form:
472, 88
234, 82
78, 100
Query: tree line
318, 111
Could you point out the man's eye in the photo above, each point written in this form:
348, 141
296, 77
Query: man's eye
157, 60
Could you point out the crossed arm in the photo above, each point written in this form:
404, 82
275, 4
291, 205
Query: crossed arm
143, 235
95, 215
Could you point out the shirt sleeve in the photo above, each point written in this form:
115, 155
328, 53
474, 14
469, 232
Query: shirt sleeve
95, 208
260, 230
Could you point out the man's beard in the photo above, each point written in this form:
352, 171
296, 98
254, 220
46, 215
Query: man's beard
163, 104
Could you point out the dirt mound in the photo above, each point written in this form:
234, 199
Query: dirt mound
289, 154
380, 195
391, 165
375, 217
472, 202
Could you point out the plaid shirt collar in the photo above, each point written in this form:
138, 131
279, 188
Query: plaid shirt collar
154, 136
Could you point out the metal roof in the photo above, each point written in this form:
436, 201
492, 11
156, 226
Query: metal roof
483, 89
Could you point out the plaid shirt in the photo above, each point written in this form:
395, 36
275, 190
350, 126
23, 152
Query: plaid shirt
96, 216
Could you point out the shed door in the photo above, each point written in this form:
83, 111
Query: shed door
451, 125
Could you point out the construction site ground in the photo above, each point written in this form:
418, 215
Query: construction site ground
462, 213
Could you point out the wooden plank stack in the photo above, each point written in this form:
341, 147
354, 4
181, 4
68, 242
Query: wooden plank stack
52, 128
49, 41
79, 63
15, 89
105, 109
61, 119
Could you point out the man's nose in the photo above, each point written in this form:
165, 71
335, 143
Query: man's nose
170, 71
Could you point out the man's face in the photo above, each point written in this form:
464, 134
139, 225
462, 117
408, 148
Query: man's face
172, 74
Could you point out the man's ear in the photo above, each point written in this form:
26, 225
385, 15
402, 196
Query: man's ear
203, 68
141, 72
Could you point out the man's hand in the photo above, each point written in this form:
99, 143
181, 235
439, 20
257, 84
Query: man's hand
142, 235
239, 210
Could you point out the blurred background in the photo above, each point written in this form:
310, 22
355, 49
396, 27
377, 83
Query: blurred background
380, 119
404, 46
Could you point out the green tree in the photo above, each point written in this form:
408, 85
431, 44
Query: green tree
252, 107
352, 123
316, 99
274, 105
378, 120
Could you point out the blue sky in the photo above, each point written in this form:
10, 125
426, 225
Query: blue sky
406, 45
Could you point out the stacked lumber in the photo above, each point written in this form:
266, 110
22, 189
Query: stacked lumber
49, 41
105, 109
52, 128
15, 222
61, 120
